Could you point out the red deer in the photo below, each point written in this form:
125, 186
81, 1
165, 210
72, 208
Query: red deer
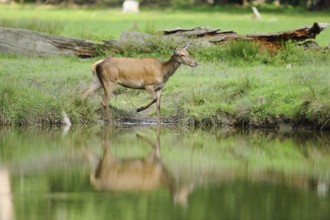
137, 73
135, 174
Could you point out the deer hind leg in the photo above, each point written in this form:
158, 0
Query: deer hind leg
108, 90
152, 92
96, 85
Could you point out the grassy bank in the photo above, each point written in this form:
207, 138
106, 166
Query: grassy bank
36, 91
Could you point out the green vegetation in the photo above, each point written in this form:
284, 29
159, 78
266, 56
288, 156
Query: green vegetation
50, 27
217, 93
236, 84
99, 23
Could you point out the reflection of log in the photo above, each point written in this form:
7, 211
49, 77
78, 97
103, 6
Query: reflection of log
20, 41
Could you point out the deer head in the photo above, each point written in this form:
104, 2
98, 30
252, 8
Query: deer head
183, 56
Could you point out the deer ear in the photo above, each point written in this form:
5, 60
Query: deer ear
177, 51
186, 46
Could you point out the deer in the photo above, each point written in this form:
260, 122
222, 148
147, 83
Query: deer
147, 173
137, 73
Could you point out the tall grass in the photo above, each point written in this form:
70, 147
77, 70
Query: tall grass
36, 90
45, 26
235, 53
259, 96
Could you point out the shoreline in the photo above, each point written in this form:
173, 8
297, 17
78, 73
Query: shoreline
189, 123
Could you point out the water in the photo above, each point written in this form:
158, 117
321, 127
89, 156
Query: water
163, 173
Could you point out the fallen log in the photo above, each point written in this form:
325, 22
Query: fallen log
21, 41
299, 34
218, 36
203, 36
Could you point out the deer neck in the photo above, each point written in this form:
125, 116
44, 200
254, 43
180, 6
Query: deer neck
169, 67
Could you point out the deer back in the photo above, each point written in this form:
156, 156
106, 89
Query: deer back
131, 72
129, 174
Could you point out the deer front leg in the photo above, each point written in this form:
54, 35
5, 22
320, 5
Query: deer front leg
152, 92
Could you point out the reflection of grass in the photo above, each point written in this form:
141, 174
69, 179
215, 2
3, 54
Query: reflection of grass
248, 155
190, 153
231, 161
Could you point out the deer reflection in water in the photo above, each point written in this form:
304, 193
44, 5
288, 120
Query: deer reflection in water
135, 174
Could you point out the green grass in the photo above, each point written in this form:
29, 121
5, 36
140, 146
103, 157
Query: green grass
45, 26
217, 93
106, 23
236, 83
255, 95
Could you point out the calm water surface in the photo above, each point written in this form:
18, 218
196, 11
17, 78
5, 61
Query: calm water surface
163, 173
